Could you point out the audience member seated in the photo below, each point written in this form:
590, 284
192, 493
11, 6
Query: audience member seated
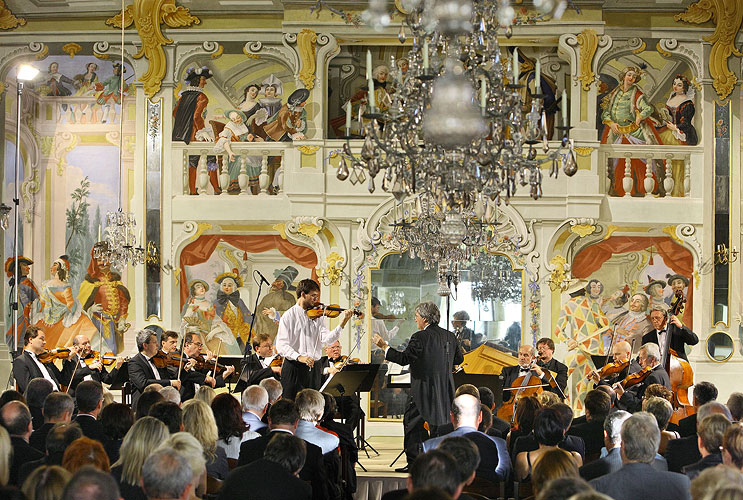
568, 443
36, 392
431, 493
310, 405
273, 388
146, 435
565, 488
11, 395
58, 408
523, 422
470, 389
116, 420
153, 387
198, 420
166, 474
91, 484
684, 451
662, 410
89, 399
433, 468
735, 405
713, 477
703, 393
168, 413
58, 439
171, 394
466, 456
547, 398
597, 405
146, 401
611, 393
283, 417
349, 450
231, 429
500, 427
486, 420
206, 394
732, 446
548, 433
495, 464
7, 492
85, 451
46, 483
710, 433
553, 464
283, 460
187, 445
640, 440
16, 418
254, 406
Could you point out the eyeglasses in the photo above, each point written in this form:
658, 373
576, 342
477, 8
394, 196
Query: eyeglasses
199, 344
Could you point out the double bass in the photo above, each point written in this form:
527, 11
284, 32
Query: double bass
679, 370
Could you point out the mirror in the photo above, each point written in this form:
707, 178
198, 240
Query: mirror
493, 306
719, 346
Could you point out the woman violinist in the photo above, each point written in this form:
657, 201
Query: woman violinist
632, 389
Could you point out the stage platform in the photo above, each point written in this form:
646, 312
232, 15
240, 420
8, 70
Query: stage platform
379, 477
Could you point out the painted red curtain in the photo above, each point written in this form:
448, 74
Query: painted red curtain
678, 258
200, 250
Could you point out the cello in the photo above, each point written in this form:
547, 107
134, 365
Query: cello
679, 370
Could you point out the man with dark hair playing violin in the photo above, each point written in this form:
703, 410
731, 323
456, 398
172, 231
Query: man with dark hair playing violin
680, 334
545, 351
300, 340
620, 366
631, 390
168, 345
28, 366
86, 364
196, 369
142, 368
262, 364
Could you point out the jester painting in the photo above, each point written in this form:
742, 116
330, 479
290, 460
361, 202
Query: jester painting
234, 314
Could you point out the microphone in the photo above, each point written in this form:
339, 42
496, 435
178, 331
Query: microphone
263, 278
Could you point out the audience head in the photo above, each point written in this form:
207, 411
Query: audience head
735, 405
660, 408
153, 387
146, 401
5, 454
609, 392
566, 415
704, 392
255, 400
46, 483
487, 418
553, 464
91, 484
168, 413
58, 407
198, 419
116, 420
548, 427
37, 391
108, 398
171, 394
525, 413
597, 404
726, 493
85, 451
273, 388
283, 414
710, 432
640, 438
487, 397
465, 411
187, 445
167, 474
732, 446
465, 454
563, 488
145, 435
435, 468
310, 405
16, 418
205, 394
547, 398
329, 408
613, 426
89, 396
658, 390
286, 450
228, 416
713, 477
590, 495
11, 395
712, 408
430, 493
468, 389
60, 437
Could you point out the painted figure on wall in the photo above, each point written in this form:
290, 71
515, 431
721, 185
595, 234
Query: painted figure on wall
581, 325
188, 123
272, 89
85, 82
277, 301
677, 115
109, 92
57, 82
106, 300
252, 109
233, 312
655, 289
201, 313
633, 324
360, 99
27, 294
57, 311
236, 130
626, 114
290, 123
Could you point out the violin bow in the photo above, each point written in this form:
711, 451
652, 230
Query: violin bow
77, 363
180, 358
357, 345
216, 358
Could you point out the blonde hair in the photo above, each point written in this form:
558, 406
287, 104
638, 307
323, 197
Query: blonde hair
46, 483
189, 447
198, 420
547, 398
108, 398
205, 394
551, 465
5, 451
145, 435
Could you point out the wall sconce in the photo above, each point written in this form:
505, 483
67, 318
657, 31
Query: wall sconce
725, 255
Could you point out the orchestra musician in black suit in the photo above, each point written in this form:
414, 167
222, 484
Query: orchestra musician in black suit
259, 364
75, 368
143, 371
545, 352
631, 399
193, 375
621, 353
527, 365
348, 404
27, 365
680, 335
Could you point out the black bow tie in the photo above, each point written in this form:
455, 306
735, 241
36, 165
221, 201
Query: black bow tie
524, 370
233, 297
261, 358
662, 331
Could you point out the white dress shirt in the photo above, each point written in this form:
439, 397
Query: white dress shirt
152, 365
44, 370
299, 335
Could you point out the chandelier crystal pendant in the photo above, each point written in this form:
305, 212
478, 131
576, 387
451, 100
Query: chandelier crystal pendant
493, 279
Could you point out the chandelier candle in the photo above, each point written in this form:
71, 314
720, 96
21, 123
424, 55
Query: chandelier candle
564, 108
425, 54
515, 66
538, 77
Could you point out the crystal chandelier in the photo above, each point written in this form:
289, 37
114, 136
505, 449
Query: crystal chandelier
453, 127
493, 279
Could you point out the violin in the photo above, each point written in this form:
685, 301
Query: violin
344, 360
163, 360
49, 356
106, 359
613, 368
636, 378
203, 364
277, 361
331, 311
